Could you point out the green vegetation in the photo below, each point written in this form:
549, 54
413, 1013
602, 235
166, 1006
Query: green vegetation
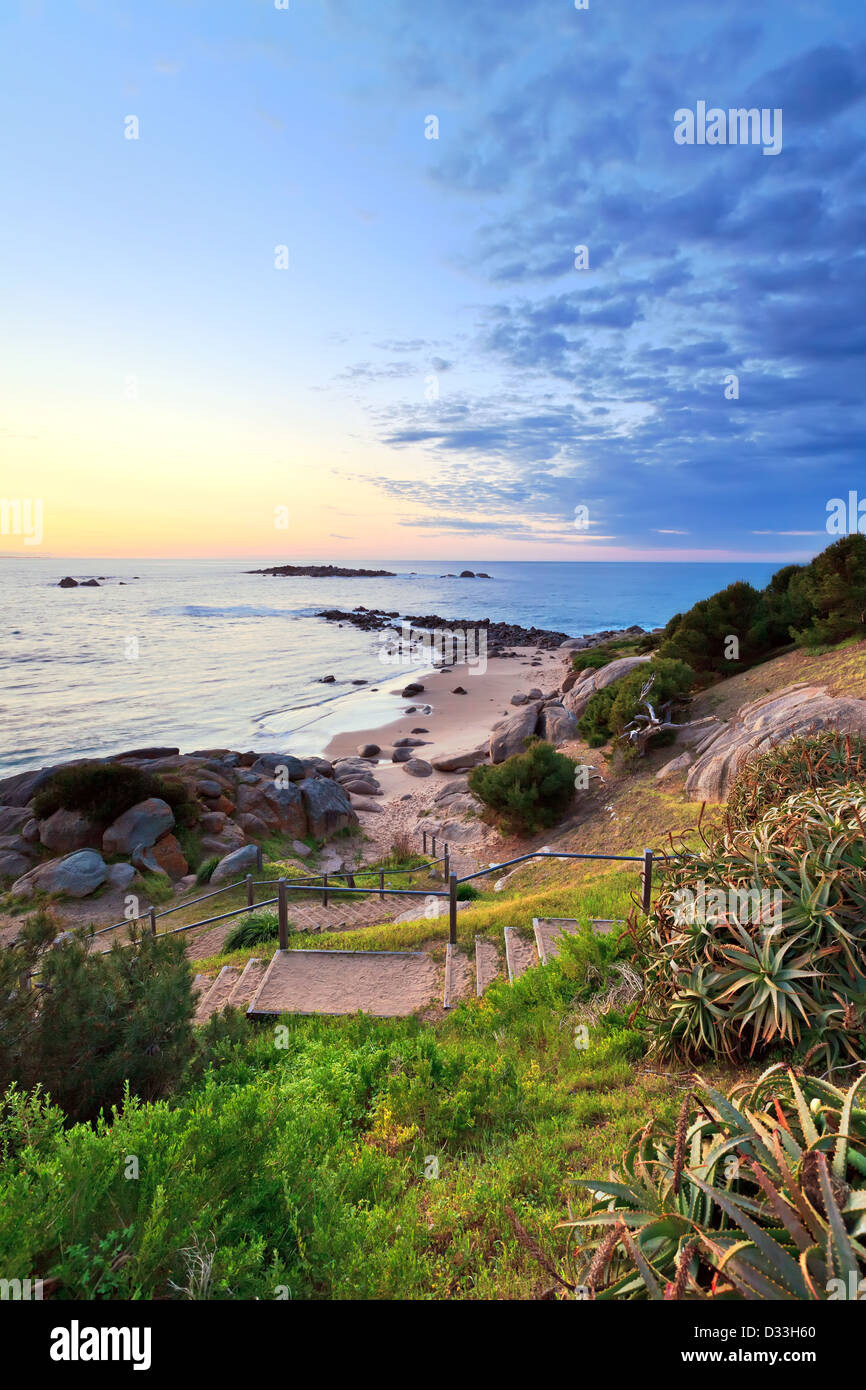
529, 791
253, 930
591, 660
204, 872
157, 888
611, 709
103, 791
801, 763
757, 940
815, 604
99, 1026
757, 1195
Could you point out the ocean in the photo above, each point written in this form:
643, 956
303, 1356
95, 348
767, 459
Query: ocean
201, 654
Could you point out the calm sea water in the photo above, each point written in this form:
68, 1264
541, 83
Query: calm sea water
198, 653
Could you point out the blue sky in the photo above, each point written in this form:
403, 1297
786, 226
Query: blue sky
431, 376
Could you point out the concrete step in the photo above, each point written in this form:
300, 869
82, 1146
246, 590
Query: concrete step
458, 976
520, 954
488, 965
218, 995
201, 984
386, 984
548, 933
251, 977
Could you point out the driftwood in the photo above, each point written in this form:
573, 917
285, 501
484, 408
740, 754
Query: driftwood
643, 727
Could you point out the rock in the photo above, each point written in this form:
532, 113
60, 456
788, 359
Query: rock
358, 681
120, 875
363, 803
675, 766
30, 831
369, 750
268, 764
298, 847
466, 574
210, 790
140, 825
13, 818
68, 583
144, 860
455, 788
574, 644
184, 884
21, 787
231, 837
90, 584
556, 724
13, 865
419, 731
146, 753
170, 857
319, 767
327, 807
413, 688
401, 755
327, 680
520, 699
16, 844
458, 690
536, 694
455, 762
77, 875
67, 831
358, 787
240, 861
212, 822
588, 682
799, 709
280, 808
252, 826
408, 743
416, 767
511, 736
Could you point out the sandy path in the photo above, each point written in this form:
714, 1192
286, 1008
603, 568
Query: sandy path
342, 982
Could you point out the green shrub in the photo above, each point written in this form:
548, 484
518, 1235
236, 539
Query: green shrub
98, 1023
252, 930
806, 761
157, 888
832, 590
530, 790
700, 637
758, 940
467, 893
102, 791
756, 1195
610, 710
591, 660
204, 872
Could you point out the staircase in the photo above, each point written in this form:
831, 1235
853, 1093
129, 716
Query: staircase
311, 981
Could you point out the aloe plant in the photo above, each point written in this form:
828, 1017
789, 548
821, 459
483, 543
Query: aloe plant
735, 981
760, 1194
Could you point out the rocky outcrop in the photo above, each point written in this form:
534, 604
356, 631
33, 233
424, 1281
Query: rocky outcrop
327, 806
457, 762
142, 824
240, 861
76, 875
67, 831
556, 724
799, 709
511, 735
589, 682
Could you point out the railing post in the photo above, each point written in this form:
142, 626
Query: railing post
647, 879
152, 915
324, 890
251, 892
283, 912
424, 838
350, 880
434, 846
446, 867
382, 885
452, 909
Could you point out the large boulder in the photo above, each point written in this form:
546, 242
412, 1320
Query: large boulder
511, 736
67, 831
279, 808
268, 764
556, 724
142, 824
12, 819
589, 682
240, 861
77, 875
13, 864
21, 788
170, 857
799, 709
458, 762
417, 767
327, 806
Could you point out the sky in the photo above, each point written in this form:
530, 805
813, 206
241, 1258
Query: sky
301, 282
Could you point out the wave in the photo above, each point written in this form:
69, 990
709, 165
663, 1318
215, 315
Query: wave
239, 610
